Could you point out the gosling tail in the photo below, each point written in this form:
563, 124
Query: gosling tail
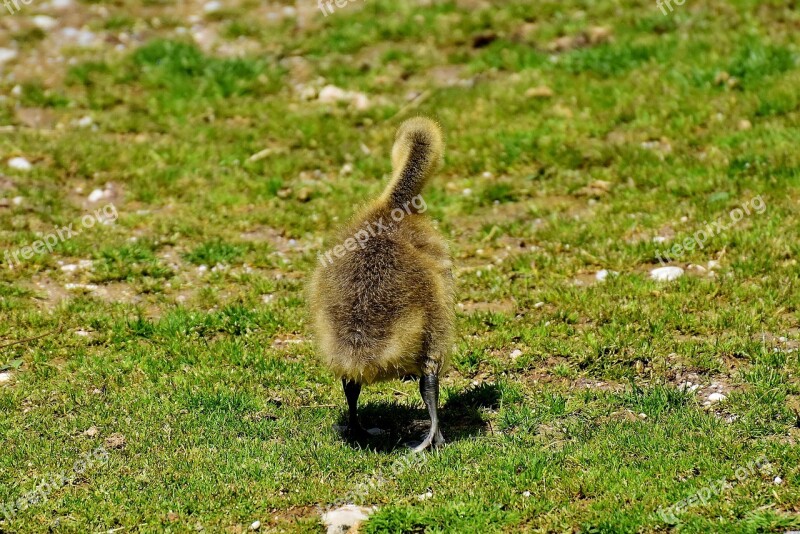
417, 153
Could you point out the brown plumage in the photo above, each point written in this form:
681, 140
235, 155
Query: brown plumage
382, 299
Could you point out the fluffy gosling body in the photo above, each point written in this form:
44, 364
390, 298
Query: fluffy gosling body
384, 309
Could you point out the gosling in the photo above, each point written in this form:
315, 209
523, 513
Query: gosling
383, 299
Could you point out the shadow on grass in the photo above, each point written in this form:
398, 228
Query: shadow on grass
408, 422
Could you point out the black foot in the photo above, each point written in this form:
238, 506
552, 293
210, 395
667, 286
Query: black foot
429, 390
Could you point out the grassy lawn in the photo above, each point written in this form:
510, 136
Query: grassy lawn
203, 153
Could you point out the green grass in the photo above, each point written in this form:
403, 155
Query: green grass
563, 410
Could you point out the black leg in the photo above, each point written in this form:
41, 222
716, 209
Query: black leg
429, 390
352, 390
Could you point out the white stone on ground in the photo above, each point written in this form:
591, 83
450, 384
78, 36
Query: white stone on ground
516, 353
346, 517
716, 397
84, 122
665, 274
87, 287
98, 194
7, 54
602, 274
255, 525
5, 376
330, 94
212, 6
43, 22
20, 164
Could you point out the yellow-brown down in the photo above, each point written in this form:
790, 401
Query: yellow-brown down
382, 300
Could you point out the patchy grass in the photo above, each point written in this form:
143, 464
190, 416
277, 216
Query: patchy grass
182, 327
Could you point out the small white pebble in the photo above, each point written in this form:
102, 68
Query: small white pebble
467, 192
255, 525
43, 22
17, 201
96, 195
487, 174
88, 287
666, 274
778, 481
716, 397
84, 122
526, 494
603, 274
202, 268
5, 376
782, 339
538, 305
684, 218
7, 54
713, 264
20, 164
213, 6
426, 495
516, 353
